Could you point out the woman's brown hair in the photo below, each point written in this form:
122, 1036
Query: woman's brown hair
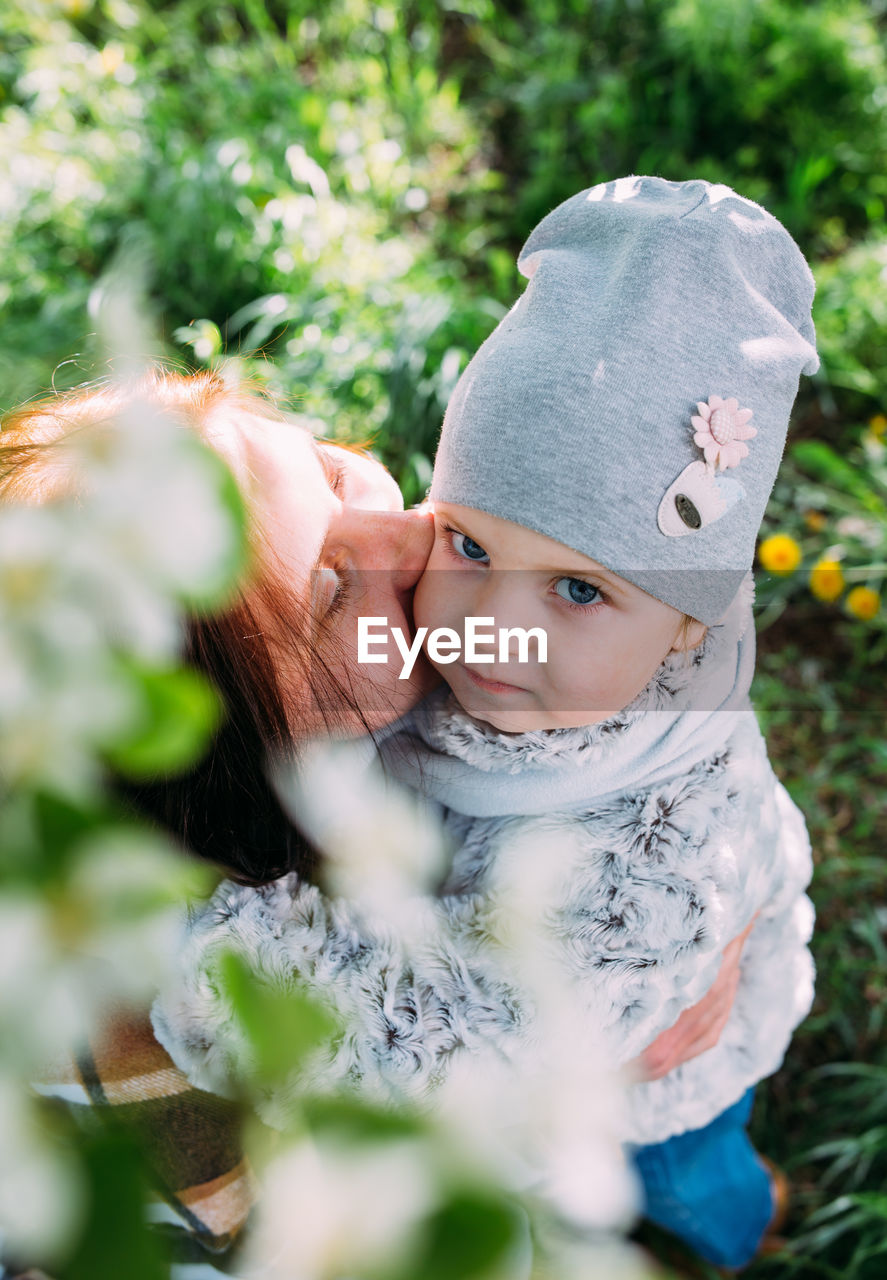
224, 809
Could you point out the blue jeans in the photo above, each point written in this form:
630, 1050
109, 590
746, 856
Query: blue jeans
709, 1187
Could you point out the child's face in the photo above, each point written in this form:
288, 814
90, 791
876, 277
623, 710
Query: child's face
606, 637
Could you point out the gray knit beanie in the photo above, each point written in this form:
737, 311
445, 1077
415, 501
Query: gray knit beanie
634, 402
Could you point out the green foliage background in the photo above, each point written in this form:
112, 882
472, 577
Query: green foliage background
334, 194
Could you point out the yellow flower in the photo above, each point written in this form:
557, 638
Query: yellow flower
878, 424
112, 58
779, 553
826, 580
863, 602
814, 520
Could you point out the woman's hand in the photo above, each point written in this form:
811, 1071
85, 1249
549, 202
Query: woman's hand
698, 1028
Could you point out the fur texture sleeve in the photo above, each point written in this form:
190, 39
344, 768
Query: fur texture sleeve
651, 888
402, 1017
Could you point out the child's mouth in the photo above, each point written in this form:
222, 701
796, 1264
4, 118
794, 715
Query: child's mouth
490, 686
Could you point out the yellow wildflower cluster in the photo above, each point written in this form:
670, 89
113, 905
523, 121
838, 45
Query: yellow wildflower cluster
863, 602
779, 554
815, 520
826, 580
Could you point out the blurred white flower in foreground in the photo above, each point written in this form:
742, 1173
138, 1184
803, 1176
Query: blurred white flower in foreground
40, 1194
40, 1013
84, 578
538, 1114
126, 890
544, 1126
383, 852
328, 1212
106, 934
135, 518
600, 1259
572, 1098
153, 498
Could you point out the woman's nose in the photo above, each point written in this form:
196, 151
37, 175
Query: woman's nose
370, 486
396, 543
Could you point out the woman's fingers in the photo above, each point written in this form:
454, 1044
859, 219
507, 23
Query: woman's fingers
696, 1030
699, 1038
733, 950
699, 1028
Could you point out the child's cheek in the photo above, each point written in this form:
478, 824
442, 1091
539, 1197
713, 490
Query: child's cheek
439, 600
433, 603
427, 601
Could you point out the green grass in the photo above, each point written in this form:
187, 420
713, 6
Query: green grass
823, 1117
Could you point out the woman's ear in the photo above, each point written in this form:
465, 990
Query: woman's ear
690, 634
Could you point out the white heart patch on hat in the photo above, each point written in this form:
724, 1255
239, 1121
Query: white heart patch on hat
697, 498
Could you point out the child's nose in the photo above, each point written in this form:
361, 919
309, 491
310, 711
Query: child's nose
506, 596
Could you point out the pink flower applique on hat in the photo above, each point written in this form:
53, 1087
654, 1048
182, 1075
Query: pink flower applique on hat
721, 429
701, 494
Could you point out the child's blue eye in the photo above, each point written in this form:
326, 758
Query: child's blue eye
468, 548
575, 591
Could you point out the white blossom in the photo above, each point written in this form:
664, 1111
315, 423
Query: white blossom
383, 851
41, 1197
568, 1097
357, 1210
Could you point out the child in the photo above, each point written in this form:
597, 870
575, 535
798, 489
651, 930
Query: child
602, 473
661, 319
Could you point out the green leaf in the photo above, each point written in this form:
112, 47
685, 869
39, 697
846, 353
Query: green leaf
61, 823
203, 337
115, 1239
282, 1026
358, 1122
875, 1202
824, 464
216, 588
41, 834
469, 1235
181, 711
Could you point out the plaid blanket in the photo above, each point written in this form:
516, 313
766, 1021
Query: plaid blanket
190, 1139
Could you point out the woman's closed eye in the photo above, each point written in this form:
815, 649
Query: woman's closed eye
578, 593
332, 592
334, 467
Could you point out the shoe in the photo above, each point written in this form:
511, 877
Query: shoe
772, 1240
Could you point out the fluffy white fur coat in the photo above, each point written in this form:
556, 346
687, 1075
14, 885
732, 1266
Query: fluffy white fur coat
652, 886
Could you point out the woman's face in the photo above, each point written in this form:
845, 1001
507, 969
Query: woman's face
336, 529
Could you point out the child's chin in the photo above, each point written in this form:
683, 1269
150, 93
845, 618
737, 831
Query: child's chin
503, 724
503, 721
527, 720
